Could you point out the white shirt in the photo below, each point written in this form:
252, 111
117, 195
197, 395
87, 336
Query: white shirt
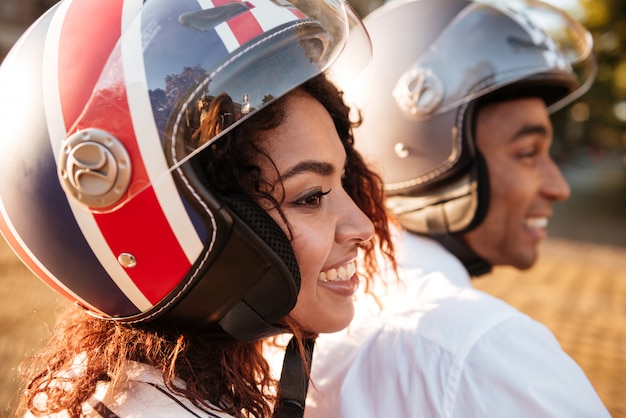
143, 395
440, 348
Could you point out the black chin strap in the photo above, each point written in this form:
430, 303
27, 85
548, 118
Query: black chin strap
474, 264
294, 380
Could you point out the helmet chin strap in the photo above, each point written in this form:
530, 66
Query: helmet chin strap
473, 263
294, 380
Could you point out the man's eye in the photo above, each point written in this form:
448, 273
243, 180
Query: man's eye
313, 199
528, 154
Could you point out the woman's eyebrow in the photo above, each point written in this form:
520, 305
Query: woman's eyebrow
317, 167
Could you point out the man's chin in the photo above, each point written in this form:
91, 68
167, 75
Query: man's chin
527, 260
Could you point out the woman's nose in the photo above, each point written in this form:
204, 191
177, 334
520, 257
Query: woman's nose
353, 224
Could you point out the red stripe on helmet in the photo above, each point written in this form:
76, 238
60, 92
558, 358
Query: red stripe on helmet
297, 13
244, 26
90, 31
139, 227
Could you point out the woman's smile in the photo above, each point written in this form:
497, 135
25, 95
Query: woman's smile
342, 273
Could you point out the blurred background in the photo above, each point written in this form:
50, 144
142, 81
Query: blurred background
578, 288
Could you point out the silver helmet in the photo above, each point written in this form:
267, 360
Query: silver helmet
433, 61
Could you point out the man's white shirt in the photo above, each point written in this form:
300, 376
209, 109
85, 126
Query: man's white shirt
436, 347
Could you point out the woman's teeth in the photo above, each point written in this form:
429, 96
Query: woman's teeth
344, 272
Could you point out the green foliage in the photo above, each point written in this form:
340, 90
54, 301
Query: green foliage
606, 20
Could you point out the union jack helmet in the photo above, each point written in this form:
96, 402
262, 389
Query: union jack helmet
97, 193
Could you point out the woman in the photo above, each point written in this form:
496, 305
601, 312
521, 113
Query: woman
185, 244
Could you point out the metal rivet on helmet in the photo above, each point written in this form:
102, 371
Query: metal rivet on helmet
402, 150
127, 260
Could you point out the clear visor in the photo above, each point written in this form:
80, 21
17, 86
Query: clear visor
481, 51
207, 69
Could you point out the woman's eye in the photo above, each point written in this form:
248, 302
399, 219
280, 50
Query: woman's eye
313, 199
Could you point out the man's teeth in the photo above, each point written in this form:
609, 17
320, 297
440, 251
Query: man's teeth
537, 222
344, 272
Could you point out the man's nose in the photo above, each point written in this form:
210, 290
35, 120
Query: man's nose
555, 187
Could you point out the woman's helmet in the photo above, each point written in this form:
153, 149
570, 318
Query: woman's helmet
98, 195
433, 62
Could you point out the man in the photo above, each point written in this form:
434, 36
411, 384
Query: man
455, 109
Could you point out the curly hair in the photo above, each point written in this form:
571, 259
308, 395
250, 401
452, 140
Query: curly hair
218, 371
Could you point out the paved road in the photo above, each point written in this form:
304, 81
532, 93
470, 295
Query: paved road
578, 290
27, 309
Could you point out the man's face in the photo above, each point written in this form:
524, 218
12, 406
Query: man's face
515, 137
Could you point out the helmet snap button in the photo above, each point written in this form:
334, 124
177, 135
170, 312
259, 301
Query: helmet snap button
402, 150
127, 260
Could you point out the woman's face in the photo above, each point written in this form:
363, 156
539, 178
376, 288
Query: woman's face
326, 225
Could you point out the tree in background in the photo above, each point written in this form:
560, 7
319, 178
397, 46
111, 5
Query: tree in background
606, 100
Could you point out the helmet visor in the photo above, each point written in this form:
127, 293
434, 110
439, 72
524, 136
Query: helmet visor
174, 67
494, 43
